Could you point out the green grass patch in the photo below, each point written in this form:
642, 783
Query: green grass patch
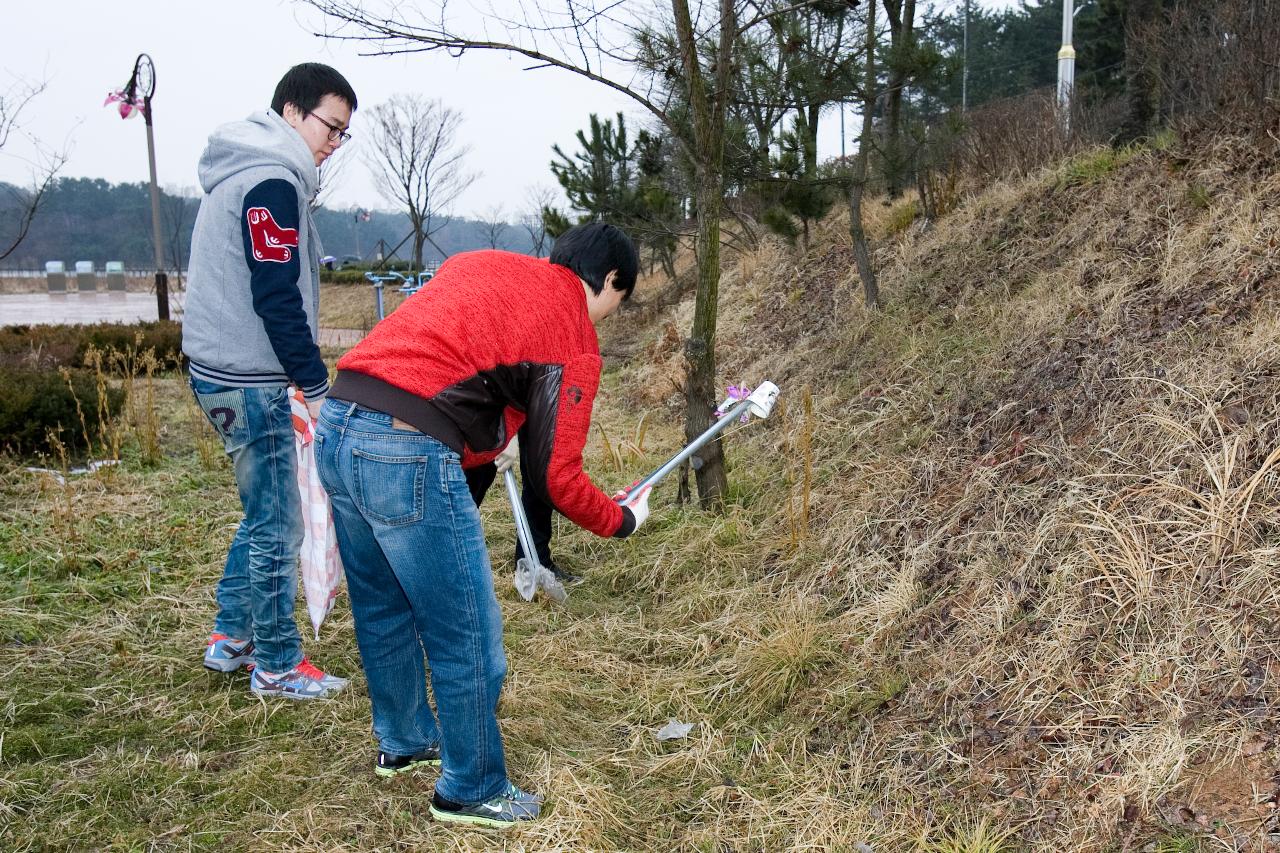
1094, 165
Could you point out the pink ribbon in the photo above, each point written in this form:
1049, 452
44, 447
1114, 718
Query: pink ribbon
127, 107
736, 393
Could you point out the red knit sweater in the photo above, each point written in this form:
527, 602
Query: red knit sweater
494, 339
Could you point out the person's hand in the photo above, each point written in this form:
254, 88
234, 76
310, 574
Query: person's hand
508, 456
620, 495
639, 506
313, 408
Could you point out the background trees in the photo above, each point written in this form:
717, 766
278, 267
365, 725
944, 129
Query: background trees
685, 83
417, 161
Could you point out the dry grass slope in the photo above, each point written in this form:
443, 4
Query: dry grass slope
997, 575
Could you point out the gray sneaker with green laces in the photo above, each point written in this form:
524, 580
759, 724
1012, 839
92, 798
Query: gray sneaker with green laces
500, 812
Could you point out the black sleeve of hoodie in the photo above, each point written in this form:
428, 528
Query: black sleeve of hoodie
269, 226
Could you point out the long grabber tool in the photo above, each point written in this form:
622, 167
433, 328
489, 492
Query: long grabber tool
759, 403
531, 575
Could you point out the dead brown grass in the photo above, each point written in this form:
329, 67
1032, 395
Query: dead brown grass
1033, 606
1049, 496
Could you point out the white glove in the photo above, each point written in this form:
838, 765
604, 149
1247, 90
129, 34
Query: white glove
508, 456
639, 506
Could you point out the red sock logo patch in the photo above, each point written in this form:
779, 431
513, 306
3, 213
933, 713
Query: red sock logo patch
270, 241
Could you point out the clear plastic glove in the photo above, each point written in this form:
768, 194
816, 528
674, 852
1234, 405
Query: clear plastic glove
508, 456
313, 408
620, 495
639, 506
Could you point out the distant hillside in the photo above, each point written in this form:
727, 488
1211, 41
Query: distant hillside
91, 219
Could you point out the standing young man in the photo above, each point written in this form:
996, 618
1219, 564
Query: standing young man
249, 331
498, 340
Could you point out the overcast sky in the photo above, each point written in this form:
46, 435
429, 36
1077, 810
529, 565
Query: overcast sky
219, 61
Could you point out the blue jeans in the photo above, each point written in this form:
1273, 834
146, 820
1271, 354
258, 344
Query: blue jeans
419, 579
260, 580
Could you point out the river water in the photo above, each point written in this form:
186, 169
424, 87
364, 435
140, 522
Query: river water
74, 307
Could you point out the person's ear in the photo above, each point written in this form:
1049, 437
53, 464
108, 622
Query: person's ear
610, 279
292, 114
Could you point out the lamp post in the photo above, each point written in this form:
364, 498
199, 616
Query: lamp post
136, 97
1066, 69
964, 74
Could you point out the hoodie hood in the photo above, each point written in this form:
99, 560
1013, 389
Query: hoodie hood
262, 139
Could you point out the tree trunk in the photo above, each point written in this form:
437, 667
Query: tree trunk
811, 141
858, 180
902, 38
708, 115
1139, 75
700, 385
419, 238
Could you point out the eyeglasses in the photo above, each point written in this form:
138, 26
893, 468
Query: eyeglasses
336, 134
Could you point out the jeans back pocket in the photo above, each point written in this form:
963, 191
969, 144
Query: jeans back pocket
225, 411
390, 489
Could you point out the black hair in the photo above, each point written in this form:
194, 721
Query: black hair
305, 86
594, 250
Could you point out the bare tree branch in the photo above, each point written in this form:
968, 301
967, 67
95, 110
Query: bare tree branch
494, 223
397, 37
417, 162
44, 169
331, 174
537, 199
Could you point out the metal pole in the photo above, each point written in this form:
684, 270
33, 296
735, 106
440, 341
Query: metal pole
162, 280
842, 131
692, 448
523, 534
964, 74
1066, 69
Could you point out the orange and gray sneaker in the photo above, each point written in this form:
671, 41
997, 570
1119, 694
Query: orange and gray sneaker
224, 654
304, 681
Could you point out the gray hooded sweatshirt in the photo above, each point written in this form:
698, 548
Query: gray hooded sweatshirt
254, 284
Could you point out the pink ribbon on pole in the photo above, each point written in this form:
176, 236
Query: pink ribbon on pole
736, 394
128, 108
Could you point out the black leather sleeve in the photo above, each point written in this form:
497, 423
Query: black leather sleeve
628, 525
538, 436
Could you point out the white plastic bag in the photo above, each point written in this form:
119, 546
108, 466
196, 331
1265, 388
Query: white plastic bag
321, 566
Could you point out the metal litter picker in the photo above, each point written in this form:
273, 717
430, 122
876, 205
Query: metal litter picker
759, 403
530, 574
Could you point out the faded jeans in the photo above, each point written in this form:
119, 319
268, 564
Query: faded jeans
421, 591
260, 580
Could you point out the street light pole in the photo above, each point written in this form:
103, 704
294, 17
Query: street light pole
136, 96
964, 75
1066, 69
162, 278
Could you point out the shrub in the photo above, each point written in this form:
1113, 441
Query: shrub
65, 403
50, 347
343, 277
901, 217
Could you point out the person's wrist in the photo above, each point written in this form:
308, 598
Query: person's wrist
628, 525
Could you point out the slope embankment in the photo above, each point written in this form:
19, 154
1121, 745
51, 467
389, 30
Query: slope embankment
1013, 541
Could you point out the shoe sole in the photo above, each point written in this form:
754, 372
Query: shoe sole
388, 772
226, 666
475, 819
296, 697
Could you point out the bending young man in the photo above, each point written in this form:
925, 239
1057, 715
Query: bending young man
250, 331
498, 340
